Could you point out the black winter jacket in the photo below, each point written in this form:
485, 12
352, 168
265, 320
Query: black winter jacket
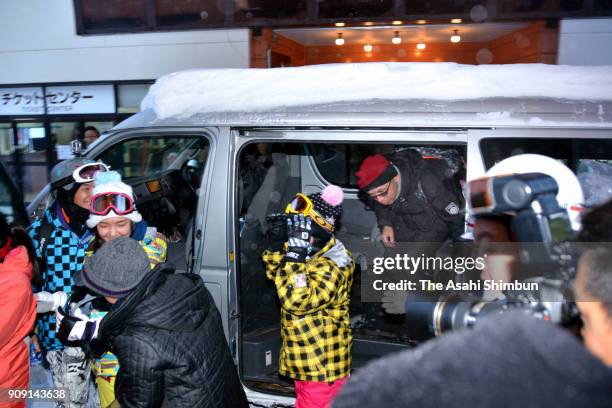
513, 360
428, 207
169, 340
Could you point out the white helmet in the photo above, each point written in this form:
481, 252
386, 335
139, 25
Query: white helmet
569, 197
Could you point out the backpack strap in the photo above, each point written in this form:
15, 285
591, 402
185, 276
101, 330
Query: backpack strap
44, 234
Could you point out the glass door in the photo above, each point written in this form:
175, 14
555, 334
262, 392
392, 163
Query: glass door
32, 149
7, 149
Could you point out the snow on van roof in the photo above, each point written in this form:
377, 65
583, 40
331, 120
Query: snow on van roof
200, 91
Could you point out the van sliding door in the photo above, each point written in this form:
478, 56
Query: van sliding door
270, 167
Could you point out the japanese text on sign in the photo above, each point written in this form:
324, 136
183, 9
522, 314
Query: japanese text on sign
59, 100
21, 101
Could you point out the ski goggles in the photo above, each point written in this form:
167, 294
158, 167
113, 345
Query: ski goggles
120, 203
82, 174
301, 204
87, 172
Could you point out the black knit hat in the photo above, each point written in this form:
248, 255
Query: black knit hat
328, 204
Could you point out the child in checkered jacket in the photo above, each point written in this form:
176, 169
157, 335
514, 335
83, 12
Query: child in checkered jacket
313, 278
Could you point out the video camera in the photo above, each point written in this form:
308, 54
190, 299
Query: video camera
452, 311
543, 232
538, 221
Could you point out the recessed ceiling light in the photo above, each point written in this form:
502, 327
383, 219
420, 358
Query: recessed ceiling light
421, 21
340, 24
421, 46
396, 39
339, 40
368, 23
455, 38
456, 21
396, 22
367, 48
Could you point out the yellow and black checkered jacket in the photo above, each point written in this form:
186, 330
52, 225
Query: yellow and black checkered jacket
314, 298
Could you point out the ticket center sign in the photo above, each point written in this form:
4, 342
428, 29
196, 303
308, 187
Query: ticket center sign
70, 100
60, 100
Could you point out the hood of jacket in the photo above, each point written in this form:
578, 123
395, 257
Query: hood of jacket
336, 251
163, 300
17, 262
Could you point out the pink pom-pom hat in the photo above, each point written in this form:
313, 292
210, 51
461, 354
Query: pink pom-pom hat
328, 203
333, 195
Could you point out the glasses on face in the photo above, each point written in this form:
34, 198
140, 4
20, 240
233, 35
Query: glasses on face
121, 203
382, 193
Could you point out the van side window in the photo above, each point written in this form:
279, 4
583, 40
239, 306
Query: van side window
338, 163
268, 175
147, 156
590, 159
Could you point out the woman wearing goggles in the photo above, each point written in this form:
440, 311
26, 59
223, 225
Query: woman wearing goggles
113, 214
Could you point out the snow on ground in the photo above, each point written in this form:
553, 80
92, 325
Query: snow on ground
255, 90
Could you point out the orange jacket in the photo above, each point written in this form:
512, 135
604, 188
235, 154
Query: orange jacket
17, 315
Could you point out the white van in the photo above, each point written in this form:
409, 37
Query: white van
212, 153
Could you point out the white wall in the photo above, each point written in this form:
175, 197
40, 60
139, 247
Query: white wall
585, 42
38, 43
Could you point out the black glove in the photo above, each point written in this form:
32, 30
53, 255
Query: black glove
276, 233
299, 230
73, 330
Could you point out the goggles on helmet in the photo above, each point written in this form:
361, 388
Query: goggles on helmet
87, 172
82, 174
102, 203
301, 204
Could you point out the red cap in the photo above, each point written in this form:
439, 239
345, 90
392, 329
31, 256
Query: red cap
371, 169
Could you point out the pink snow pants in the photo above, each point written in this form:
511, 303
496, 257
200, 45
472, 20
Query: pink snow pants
315, 394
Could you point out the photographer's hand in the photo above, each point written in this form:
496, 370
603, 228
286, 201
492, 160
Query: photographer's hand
299, 229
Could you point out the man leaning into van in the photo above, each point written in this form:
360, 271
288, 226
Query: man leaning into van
414, 198
313, 276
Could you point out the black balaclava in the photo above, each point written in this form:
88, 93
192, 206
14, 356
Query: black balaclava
76, 215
